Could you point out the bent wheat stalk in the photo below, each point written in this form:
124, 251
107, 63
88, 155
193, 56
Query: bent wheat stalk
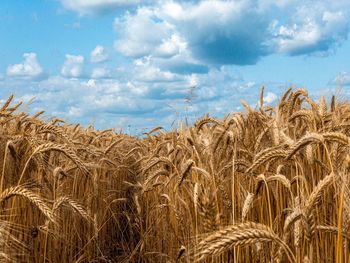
38, 201
238, 235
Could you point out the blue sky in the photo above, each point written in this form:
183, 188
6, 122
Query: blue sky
132, 64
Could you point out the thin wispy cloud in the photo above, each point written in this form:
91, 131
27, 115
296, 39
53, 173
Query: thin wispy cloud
342, 79
99, 54
90, 7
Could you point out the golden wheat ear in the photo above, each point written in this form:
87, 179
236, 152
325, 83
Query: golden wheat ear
32, 197
238, 235
72, 204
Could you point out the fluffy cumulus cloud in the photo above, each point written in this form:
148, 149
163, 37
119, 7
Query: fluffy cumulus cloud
137, 40
311, 30
99, 54
270, 97
29, 68
231, 32
73, 66
209, 32
220, 32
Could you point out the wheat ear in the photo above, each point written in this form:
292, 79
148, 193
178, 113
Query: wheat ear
238, 235
20, 190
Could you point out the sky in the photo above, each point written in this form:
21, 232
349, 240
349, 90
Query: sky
134, 65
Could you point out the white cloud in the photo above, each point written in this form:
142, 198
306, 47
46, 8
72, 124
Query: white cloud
153, 74
98, 73
212, 31
222, 32
270, 97
312, 29
73, 66
99, 54
137, 41
29, 68
170, 47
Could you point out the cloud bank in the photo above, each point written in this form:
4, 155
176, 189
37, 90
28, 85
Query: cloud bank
231, 32
176, 60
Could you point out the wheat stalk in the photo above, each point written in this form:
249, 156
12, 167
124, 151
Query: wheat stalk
238, 235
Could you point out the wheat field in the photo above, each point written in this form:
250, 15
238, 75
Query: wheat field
269, 184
